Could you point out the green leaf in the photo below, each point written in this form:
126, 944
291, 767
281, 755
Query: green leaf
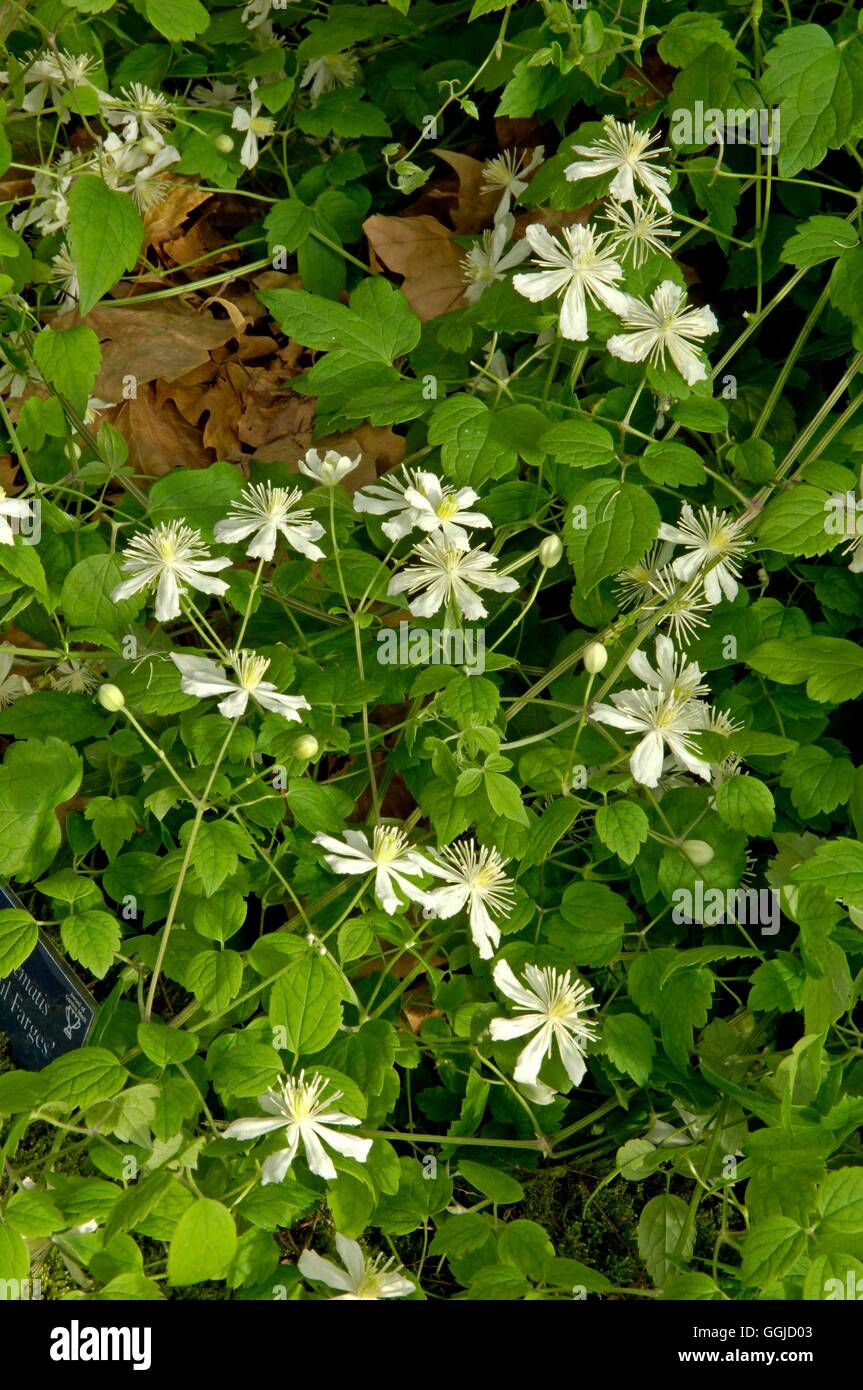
316, 806
215, 978
777, 984
14, 1256
200, 497
846, 285
819, 90
702, 413
491, 1182
831, 666
69, 361
744, 803
753, 460
504, 797
247, 1069
23, 563
73, 717
818, 239
595, 917
622, 826
460, 1235
550, 828
687, 35
307, 1002
218, 849
33, 1214
771, 1248
660, 1230
177, 19
840, 1201
288, 223
342, 112
105, 229
611, 527
672, 464
579, 444
18, 937
93, 939
164, 1045
683, 1005
85, 599
419, 1197
818, 783
378, 327
526, 1246
473, 446
470, 701
628, 1041
794, 523
203, 1243
35, 778
838, 866
82, 1078
114, 821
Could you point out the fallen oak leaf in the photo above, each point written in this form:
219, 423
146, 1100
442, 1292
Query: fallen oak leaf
152, 344
423, 251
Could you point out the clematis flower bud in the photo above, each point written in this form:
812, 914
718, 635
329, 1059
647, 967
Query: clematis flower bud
306, 746
595, 658
698, 852
110, 697
550, 551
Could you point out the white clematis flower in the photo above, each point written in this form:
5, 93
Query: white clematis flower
626, 151
140, 112
389, 857
253, 124
11, 687
665, 721
581, 269
331, 71
475, 877
330, 469
638, 230
674, 674
389, 495
440, 508
74, 677
708, 537
204, 678
507, 174
266, 512
174, 558
365, 1278
55, 74
445, 574
665, 325
257, 12
305, 1110
488, 259
552, 1005
12, 509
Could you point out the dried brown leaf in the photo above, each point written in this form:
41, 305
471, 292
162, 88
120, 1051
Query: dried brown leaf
423, 251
